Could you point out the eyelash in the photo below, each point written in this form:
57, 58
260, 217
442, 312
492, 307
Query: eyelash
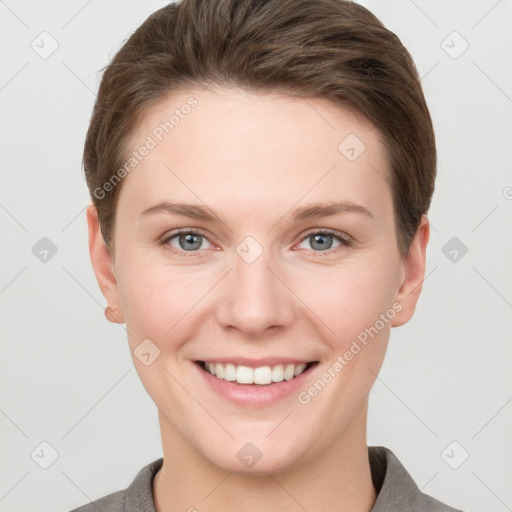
345, 241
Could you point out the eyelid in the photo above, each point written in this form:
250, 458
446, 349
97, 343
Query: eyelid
345, 240
178, 231
175, 232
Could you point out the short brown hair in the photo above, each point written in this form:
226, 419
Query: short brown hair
330, 49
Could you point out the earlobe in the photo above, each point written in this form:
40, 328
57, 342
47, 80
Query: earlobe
102, 263
413, 274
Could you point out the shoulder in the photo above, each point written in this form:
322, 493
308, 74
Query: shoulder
425, 503
395, 486
138, 496
113, 502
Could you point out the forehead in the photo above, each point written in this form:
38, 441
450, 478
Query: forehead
220, 144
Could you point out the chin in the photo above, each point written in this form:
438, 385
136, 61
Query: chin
255, 459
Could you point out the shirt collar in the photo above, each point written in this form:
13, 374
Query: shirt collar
395, 487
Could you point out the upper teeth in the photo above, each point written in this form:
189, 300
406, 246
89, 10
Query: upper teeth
260, 375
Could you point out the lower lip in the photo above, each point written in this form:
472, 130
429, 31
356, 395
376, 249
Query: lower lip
255, 394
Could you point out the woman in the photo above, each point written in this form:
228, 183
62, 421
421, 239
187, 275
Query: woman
260, 176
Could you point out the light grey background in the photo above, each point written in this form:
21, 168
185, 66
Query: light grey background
66, 373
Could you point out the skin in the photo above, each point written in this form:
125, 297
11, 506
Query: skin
253, 159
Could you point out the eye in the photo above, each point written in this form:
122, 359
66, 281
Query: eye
189, 241
322, 241
185, 241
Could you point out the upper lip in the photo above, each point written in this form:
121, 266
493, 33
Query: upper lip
256, 363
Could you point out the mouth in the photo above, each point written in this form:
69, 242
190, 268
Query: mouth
267, 375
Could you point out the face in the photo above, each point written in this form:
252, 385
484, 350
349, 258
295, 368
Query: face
258, 272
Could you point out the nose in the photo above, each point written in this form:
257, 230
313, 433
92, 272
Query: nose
255, 298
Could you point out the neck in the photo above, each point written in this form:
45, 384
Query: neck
337, 478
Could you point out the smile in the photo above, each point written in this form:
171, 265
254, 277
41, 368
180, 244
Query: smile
262, 375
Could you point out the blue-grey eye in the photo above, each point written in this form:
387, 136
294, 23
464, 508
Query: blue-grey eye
188, 241
323, 241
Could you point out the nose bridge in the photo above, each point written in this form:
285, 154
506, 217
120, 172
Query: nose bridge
255, 297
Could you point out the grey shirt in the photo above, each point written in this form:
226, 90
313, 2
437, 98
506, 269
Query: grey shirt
396, 489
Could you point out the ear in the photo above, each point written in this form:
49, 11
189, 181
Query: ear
102, 263
413, 274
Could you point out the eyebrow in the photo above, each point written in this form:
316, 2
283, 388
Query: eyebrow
205, 213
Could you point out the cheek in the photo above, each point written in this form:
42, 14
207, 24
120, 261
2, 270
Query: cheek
350, 298
159, 304
159, 301
356, 306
